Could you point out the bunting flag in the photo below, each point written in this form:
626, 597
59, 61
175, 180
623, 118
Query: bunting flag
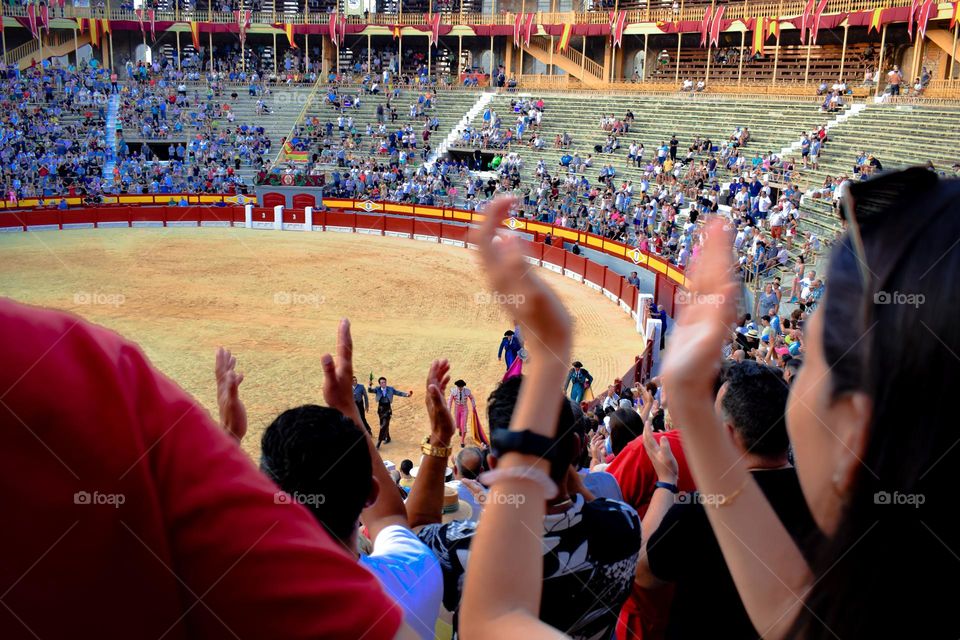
288, 29
528, 28
342, 26
773, 29
293, 154
242, 19
759, 35
32, 19
805, 20
195, 33
618, 24
718, 25
61, 3
94, 33
45, 17
564, 37
396, 31
334, 32
516, 29
152, 14
929, 6
815, 28
876, 17
705, 25
435, 30
953, 14
80, 23
914, 5
139, 14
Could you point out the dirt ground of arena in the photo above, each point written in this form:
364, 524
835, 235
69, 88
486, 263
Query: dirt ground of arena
275, 298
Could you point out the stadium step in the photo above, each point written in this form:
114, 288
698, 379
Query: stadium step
482, 101
113, 108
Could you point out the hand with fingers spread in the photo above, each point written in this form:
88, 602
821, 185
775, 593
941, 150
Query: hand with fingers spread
441, 421
692, 362
661, 456
233, 414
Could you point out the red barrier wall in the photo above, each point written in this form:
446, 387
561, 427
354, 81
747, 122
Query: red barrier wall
340, 219
422, 228
453, 232
261, 214
399, 225
366, 221
595, 272
577, 264
554, 255
42, 217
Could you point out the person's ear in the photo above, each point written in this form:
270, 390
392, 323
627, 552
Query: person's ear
491, 461
854, 413
374, 493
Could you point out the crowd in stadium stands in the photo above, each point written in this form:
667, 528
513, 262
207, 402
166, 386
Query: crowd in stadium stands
670, 508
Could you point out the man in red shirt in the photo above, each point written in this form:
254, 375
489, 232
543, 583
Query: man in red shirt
129, 514
644, 614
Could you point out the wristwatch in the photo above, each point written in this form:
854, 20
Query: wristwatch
433, 450
526, 442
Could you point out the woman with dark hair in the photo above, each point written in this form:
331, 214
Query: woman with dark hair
625, 426
869, 416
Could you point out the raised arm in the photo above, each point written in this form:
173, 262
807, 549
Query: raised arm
338, 393
425, 503
768, 569
501, 596
233, 414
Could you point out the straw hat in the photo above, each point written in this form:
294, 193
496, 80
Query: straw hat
453, 507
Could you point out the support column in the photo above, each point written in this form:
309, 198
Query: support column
743, 39
459, 53
210, 41
880, 73
508, 58
306, 51
953, 54
491, 61
646, 53
679, 38
274, 54
179, 55
806, 70
843, 51
369, 56
776, 55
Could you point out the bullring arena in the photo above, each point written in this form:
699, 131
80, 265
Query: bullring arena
274, 298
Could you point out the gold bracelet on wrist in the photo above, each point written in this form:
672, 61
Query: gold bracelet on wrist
432, 450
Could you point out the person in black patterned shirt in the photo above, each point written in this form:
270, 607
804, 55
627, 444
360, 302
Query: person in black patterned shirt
590, 545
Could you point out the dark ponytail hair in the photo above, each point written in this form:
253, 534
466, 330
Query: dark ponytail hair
890, 569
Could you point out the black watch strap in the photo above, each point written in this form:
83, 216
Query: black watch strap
526, 442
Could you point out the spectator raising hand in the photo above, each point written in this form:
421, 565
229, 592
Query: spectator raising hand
503, 588
233, 415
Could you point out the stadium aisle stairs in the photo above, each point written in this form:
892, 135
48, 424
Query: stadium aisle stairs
113, 107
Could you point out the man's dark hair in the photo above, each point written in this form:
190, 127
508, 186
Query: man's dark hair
381, 379
470, 463
625, 426
500, 406
754, 402
318, 456
406, 466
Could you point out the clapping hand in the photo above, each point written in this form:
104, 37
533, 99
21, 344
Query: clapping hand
233, 415
441, 422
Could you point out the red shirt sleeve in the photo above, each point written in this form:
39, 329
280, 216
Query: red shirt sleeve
129, 511
637, 477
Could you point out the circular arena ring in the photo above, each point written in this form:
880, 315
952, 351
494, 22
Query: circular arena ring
193, 278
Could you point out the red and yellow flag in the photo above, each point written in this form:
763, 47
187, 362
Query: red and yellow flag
875, 20
288, 29
292, 154
195, 32
80, 23
953, 14
773, 29
759, 35
396, 31
94, 32
105, 26
564, 37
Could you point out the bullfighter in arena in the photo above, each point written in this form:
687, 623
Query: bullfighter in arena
581, 380
510, 346
459, 396
384, 396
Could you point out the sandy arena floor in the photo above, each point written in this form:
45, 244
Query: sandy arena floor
275, 300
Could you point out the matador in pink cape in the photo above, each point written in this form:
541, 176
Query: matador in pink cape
466, 418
